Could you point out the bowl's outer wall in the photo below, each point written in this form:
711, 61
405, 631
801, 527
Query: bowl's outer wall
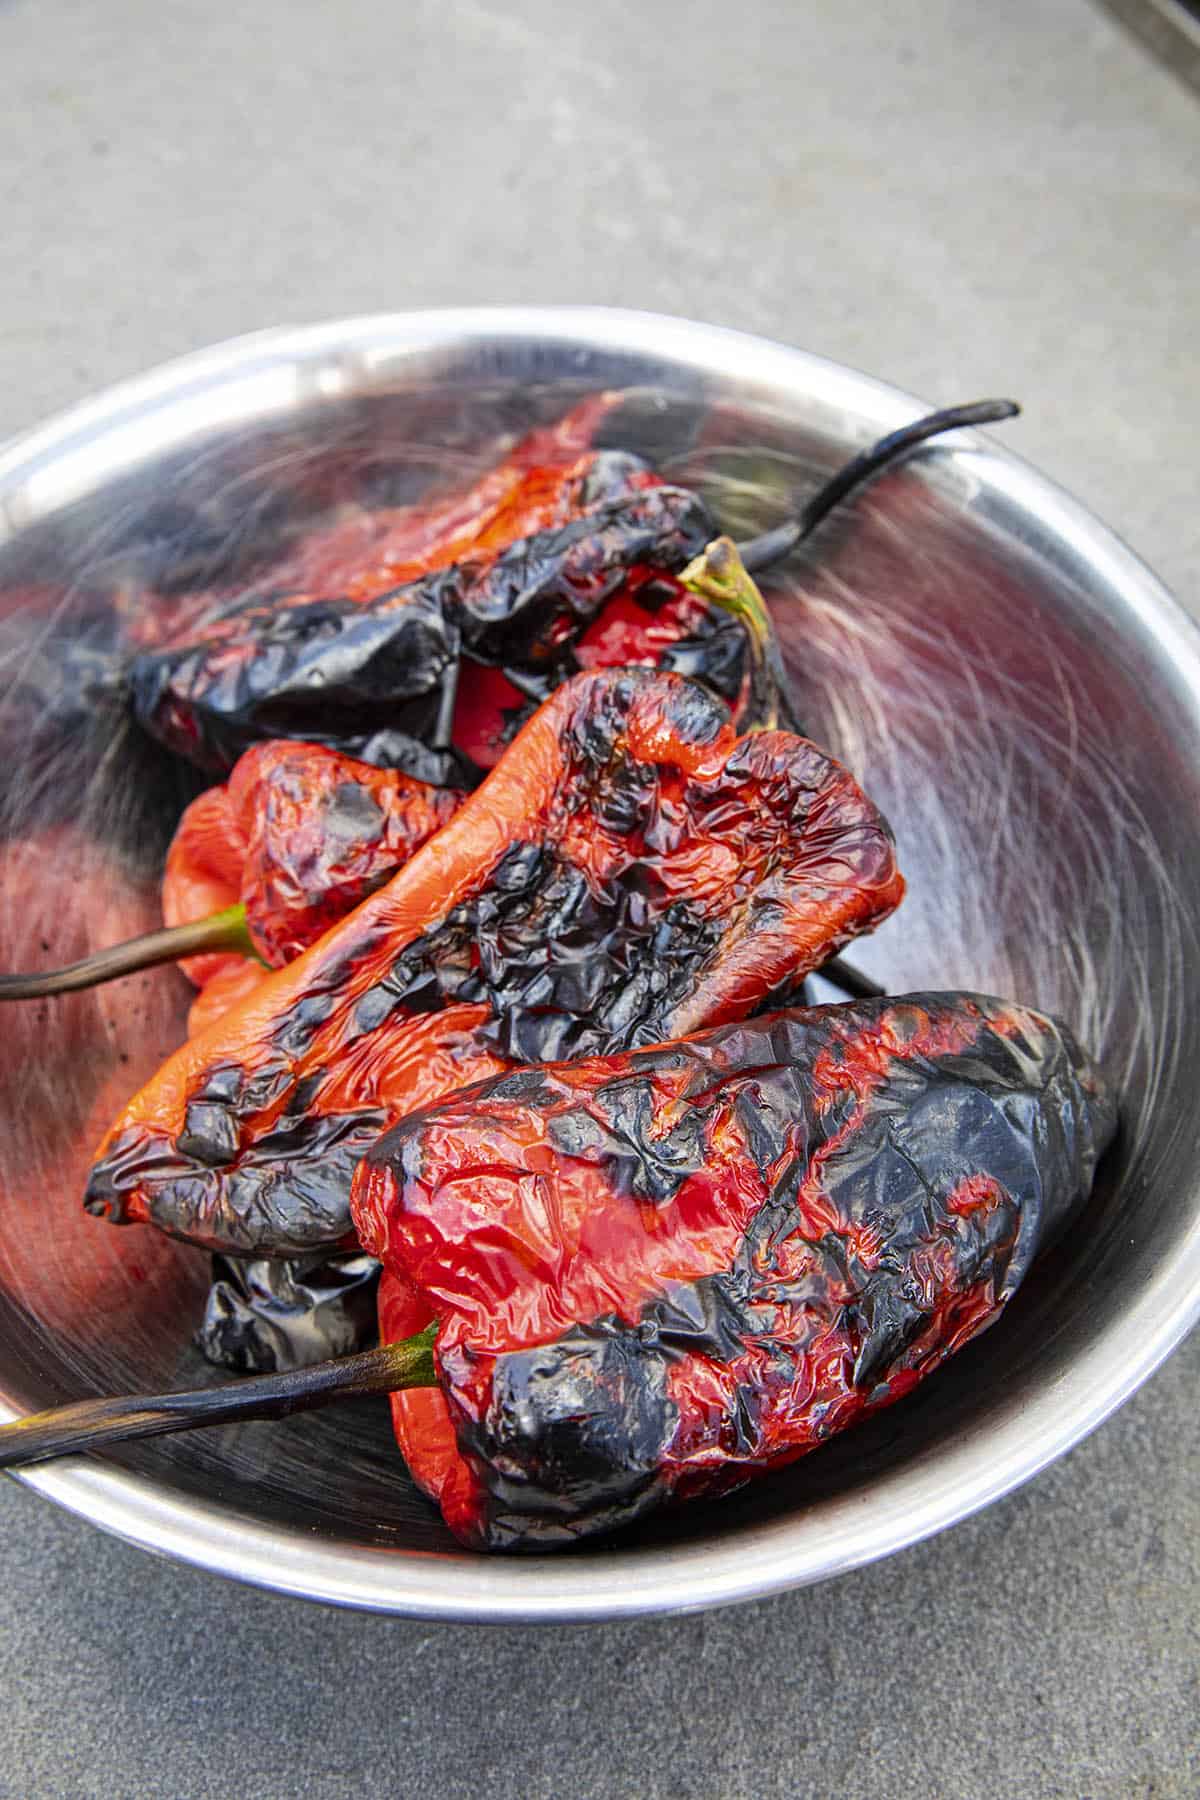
1013, 687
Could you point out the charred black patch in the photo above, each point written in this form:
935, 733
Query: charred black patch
301, 1024
328, 671
282, 1191
286, 1196
117, 1173
581, 1428
693, 715
367, 677
209, 1135
568, 968
582, 1424
267, 1313
615, 1130
567, 574
714, 652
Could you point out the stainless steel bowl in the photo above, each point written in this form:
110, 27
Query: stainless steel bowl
1013, 686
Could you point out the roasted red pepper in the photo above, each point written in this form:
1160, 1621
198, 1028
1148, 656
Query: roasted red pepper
631, 870
362, 552
550, 475
396, 638
298, 836
372, 677
659, 1274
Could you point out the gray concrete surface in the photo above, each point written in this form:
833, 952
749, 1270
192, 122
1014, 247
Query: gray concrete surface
963, 198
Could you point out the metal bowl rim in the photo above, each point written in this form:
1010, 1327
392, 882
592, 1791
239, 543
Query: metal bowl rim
843, 1532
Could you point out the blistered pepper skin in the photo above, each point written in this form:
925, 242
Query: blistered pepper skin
219, 670
367, 677
299, 835
630, 870
660, 1274
265, 1313
363, 552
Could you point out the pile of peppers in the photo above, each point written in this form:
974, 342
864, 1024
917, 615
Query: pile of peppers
516, 869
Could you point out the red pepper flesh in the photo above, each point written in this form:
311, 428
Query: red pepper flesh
299, 835
630, 871
659, 1274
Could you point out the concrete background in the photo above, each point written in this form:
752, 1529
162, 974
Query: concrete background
963, 198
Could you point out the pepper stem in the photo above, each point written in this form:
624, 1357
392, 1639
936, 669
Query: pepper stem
851, 980
772, 546
720, 576
225, 930
91, 1424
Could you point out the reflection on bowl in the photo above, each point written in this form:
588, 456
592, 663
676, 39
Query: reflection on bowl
1009, 683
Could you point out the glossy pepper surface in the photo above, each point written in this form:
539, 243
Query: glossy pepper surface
372, 677
267, 1313
361, 550
631, 870
659, 1274
298, 835
396, 633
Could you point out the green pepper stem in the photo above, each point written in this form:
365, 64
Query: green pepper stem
91, 1424
225, 930
720, 576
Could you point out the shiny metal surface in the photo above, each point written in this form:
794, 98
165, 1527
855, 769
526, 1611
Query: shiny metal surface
1170, 30
1015, 689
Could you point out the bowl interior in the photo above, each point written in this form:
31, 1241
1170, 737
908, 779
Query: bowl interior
1007, 683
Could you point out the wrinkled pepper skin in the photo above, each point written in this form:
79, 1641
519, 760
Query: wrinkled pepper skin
364, 552
264, 1313
203, 682
368, 677
630, 871
657, 1275
299, 835
551, 474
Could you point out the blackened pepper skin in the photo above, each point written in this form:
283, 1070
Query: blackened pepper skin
660, 1274
265, 1313
200, 657
364, 551
368, 677
365, 679
298, 835
630, 871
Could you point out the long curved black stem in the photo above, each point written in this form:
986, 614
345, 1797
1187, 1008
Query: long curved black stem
771, 547
220, 931
443, 730
90, 1424
851, 981
529, 685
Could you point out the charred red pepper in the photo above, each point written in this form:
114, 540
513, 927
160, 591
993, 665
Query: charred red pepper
378, 678
399, 637
297, 836
363, 552
657, 1275
631, 870
388, 685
